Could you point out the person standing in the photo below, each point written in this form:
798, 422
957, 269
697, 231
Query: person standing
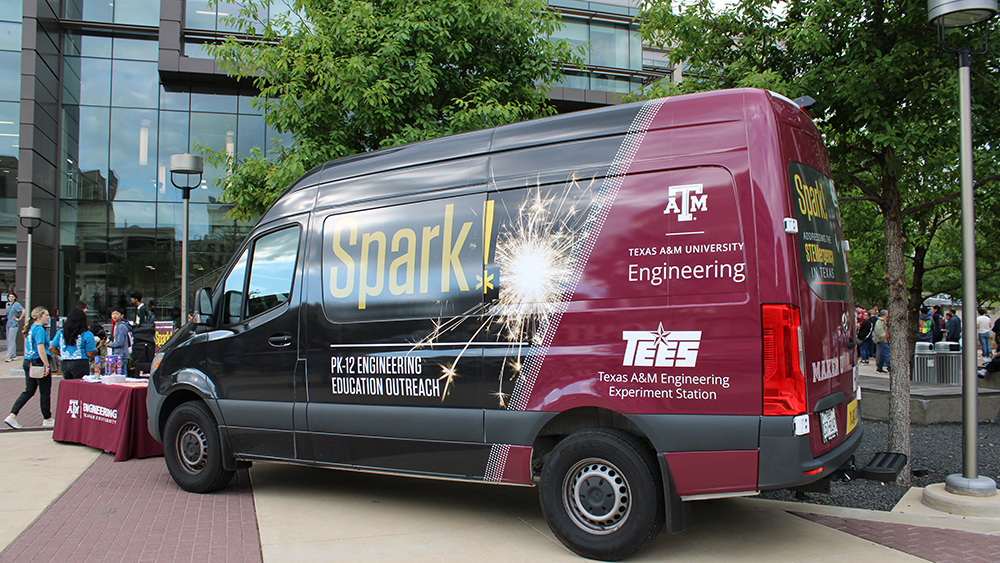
925, 327
937, 324
75, 345
15, 314
865, 337
120, 340
983, 332
881, 336
36, 344
142, 314
953, 327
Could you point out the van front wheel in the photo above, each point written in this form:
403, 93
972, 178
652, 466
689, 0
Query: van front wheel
601, 494
193, 450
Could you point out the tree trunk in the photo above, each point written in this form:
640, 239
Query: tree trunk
899, 354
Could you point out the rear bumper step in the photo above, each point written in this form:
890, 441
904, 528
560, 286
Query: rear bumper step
884, 467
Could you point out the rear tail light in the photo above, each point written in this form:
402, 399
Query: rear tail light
784, 361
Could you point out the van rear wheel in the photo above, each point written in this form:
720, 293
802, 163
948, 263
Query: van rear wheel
601, 494
193, 450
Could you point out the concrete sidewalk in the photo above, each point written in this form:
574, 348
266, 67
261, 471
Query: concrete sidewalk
61, 502
65, 502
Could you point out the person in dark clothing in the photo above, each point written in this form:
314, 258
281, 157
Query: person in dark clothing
865, 337
992, 367
953, 326
937, 322
925, 327
142, 314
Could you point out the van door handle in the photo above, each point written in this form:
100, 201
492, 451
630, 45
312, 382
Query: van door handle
279, 340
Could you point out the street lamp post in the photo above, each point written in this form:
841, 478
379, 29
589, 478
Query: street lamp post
949, 14
31, 218
189, 165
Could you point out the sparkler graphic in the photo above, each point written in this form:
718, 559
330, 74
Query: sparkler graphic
534, 259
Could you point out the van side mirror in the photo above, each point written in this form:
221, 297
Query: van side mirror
203, 306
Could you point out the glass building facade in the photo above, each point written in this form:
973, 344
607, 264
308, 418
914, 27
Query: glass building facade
110, 90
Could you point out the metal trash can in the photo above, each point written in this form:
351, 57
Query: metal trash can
923, 363
949, 362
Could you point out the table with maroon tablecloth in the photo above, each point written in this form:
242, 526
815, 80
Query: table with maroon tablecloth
111, 417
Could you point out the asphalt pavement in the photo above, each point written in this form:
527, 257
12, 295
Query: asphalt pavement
67, 502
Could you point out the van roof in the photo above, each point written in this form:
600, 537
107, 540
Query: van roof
587, 124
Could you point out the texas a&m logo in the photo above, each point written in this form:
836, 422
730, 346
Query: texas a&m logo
685, 200
661, 348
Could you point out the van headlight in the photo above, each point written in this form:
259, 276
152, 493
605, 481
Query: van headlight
157, 358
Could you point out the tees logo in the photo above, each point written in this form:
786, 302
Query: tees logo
685, 200
74, 408
661, 348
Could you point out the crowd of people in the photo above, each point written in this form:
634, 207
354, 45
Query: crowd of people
74, 345
935, 324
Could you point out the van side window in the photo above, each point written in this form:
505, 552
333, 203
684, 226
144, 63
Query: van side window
272, 269
232, 294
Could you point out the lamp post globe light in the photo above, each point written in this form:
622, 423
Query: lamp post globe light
30, 218
188, 165
952, 14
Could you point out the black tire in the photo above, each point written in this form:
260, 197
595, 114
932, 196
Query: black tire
193, 450
601, 494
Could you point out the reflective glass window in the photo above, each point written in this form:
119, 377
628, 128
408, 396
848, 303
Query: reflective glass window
94, 136
219, 100
9, 120
575, 80
135, 84
137, 12
10, 36
232, 291
225, 10
272, 270
604, 42
196, 50
209, 228
95, 82
610, 83
173, 140
136, 49
95, 46
10, 10
577, 33
172, 97
98, 10
83, 225
132, 226
216, 131
246, 106
10, 66
86, 279
133, 154
199, 15
251, 134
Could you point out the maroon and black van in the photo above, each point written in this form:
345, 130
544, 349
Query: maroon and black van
632, 307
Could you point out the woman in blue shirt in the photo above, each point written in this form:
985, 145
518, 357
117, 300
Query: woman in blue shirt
36, 344
75, 345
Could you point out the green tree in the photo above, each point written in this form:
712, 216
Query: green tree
887, 108
349, 76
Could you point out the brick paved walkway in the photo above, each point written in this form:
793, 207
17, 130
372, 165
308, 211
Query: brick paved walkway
133, 512
10, 387
933, 544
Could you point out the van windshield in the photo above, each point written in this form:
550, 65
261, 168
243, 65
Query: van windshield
820, 239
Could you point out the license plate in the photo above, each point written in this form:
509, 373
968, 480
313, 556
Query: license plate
852, 416
828, 422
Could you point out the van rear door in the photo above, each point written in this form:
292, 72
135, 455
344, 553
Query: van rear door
826, 308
